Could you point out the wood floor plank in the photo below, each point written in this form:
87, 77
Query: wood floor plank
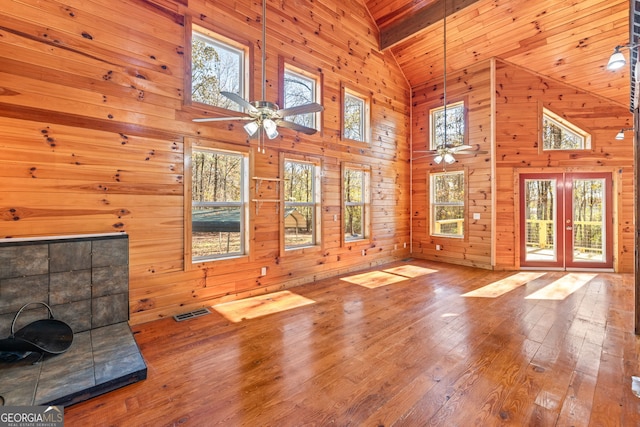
412, 352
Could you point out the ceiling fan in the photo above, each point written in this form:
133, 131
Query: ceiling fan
445, 151
265, 117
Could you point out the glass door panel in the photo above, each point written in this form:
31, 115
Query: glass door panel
542, 239
565, 220
587, 230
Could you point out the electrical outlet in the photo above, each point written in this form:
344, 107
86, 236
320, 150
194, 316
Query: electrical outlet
395, 247
405, 245
364, 252
476, 215
438, 248
264, 271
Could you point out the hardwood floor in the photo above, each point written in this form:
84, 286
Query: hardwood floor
412, 353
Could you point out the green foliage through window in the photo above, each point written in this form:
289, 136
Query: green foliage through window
300, 204
447, 204
217, 210
355, 204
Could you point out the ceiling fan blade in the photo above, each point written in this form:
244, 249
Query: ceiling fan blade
458, 148
299, 128
240, 101
220, 119
426, 151
472, 152
300, 109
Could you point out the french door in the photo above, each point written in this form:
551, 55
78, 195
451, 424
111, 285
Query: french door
566, 220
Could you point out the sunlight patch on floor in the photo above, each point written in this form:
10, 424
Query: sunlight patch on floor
374, 279
563, 287
501, 287
261, 305
410, 271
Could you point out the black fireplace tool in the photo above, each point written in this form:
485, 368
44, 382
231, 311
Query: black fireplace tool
44, 336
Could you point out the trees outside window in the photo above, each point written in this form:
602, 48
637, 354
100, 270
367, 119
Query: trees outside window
216, 66
455, 125
560, 134
356, 210
300, 89
218, 207
447, 204
301, 203
355, 116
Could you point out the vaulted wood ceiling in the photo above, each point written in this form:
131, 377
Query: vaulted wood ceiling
569, 40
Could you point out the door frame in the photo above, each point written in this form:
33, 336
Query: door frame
612, 201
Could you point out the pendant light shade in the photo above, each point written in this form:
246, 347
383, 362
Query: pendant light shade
617, 60
251, 128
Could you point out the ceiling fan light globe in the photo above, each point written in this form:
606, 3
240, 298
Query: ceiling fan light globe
616, 61
620, 135
270, 128
438, 159
251, 128
449, 158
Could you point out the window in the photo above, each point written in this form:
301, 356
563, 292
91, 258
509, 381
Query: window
447, 204
355, 116
560, 134
301, 88
301, 203
218, 208
455, 125
217, 65
356, 202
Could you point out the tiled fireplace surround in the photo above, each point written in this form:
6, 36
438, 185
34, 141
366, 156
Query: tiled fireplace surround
85, 281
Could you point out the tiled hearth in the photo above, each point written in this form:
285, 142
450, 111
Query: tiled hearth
85, 281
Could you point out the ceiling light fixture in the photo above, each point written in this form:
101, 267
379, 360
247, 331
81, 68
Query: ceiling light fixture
620, 135
617, 59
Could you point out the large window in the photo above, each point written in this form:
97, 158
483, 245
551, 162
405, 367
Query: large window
301, 88
355, 116
451, 133
217, 65
447, 204
301, 203
218, 209
560, 134
356, 181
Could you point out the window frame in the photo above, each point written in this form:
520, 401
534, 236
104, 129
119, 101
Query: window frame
463, 203
191, 145
224, 39
316, 204
305, 72
366, 114
365, 203
566, 125
450, 105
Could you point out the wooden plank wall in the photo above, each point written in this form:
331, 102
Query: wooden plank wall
473, 85
93, 133
520, 95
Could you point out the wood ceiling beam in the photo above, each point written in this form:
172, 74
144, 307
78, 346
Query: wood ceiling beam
405, 28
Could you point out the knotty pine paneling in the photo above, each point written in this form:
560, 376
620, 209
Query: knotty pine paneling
519, 96
473, 85
93, 124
